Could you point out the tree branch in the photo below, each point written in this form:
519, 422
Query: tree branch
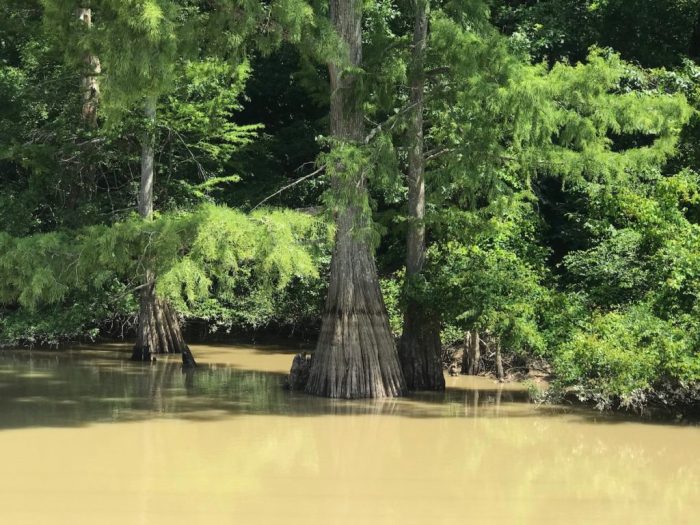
434, 154
312, 174
392, 118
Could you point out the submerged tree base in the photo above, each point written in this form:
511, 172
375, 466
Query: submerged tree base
419, 351
355, 358
143, 354
159, 331
299, 373
356, 355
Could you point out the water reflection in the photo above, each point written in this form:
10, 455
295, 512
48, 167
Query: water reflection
45, 389
98, 439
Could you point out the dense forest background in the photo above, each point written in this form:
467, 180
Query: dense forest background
561, 156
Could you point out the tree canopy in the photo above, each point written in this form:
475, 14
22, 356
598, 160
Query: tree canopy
558, 159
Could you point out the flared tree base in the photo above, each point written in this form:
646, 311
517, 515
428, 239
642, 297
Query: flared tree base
356, 354
159, 332
419, 351
355, 358
143, 354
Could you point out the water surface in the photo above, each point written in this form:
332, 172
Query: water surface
88, 437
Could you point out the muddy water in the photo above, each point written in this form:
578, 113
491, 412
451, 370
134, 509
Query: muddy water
87, 437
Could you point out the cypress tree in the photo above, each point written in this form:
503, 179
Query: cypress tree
419, 348
90, 82
355, 356
159, 329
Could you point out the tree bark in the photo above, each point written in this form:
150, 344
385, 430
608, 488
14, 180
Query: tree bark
148, 160
499, 361
90, 84
419, 347
471, 360
159, 329
355, 356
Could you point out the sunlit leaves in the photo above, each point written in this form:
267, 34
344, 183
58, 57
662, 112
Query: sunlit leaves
190, 253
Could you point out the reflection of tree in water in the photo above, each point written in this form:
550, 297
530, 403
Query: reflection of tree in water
467, 441
45, 389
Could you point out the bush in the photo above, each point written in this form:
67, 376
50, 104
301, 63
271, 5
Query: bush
626, 358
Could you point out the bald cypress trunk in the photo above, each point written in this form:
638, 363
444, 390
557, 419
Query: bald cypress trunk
90, 83
471, 360
419, 348
499, 360
355, 355
159, 330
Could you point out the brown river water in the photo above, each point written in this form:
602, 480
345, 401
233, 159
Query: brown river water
86, 437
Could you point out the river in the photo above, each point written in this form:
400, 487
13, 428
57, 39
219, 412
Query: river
87, 437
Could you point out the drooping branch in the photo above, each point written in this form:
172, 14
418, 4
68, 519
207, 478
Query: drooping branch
389, 122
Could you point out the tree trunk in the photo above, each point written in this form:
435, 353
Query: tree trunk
419, 348
89, 82
499, 361
471, 360
355, 355
159, 330
147, 160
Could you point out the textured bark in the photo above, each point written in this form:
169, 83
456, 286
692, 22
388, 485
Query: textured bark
299, 373
90, 83
499, 360
471, 360
419, 350
159, 329
355, 356
415, 256
419, 347
147, 161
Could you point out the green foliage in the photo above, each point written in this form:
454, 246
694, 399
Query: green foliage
655, 32
563, 197
622, 357
493, 280
199, 133
347, 167
79, 316
392, 290
635, 335
210, 251
517, 121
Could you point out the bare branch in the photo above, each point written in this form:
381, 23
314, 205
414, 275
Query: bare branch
312, 174
391, 120
434, 154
